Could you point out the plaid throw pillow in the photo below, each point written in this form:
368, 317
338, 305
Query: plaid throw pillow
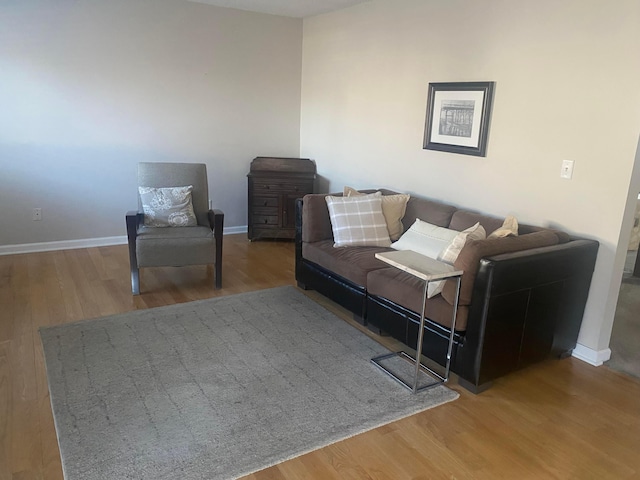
393, 209
358, 221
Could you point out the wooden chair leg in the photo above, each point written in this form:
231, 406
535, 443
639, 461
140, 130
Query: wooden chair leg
218, 274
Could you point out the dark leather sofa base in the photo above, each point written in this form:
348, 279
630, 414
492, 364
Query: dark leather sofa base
526, 306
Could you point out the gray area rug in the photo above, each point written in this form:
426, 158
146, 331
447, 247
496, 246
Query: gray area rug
216, 388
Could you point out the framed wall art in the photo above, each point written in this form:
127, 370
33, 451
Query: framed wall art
458, 117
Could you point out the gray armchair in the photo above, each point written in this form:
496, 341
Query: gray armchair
175, 246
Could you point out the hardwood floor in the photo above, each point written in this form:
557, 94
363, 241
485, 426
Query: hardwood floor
558, 420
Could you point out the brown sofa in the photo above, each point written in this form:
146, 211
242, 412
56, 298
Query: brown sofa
521, 300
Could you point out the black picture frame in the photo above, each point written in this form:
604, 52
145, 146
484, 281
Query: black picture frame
458, 115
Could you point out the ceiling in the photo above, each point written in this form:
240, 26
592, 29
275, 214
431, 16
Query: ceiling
287, 8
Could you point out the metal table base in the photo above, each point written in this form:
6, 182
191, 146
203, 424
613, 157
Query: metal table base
419, 366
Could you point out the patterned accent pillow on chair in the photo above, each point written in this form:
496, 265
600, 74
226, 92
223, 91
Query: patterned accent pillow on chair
167, 206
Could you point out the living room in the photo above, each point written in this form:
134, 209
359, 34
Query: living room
89, 89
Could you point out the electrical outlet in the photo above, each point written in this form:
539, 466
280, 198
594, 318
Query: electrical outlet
37, 214
567, 169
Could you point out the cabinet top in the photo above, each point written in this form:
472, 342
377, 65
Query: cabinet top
283, 165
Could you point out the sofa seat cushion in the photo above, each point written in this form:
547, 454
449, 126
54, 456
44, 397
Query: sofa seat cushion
407, 291
352, 263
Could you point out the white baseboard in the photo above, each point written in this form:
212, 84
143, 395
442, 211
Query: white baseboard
234, 230
61, 245
82, 243
593, 357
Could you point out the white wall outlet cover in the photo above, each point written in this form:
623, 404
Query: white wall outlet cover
567, 169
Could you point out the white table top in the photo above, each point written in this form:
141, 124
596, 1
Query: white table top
423, 267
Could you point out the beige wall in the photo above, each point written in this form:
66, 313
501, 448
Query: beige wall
88, 88
567, 79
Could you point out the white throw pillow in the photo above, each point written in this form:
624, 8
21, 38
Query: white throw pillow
393, 209
358, 221
167, 206
451, 252
425, 238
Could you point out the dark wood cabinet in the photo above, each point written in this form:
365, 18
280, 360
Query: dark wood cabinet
274, 186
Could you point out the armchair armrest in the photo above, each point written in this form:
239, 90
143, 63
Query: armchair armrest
133, 219
216, 222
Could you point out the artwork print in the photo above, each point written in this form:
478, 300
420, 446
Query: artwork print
458, 117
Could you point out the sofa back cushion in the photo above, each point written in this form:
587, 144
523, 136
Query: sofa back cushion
463, 219
429, 211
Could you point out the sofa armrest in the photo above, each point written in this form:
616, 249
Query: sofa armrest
314, 220
517, 270
525, 306
469, 259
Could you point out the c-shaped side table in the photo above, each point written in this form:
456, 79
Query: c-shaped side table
429, 270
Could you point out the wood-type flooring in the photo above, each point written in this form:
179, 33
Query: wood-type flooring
562, 419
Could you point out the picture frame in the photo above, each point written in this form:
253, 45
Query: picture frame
458, 117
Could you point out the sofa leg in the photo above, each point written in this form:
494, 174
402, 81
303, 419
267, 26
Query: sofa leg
566, 354
302, 286
472, 387
377, 330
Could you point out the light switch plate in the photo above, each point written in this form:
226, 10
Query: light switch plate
567, 169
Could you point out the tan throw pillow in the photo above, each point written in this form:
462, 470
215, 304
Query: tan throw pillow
358, 221
451, 252
509, 228
167, 206
393, 208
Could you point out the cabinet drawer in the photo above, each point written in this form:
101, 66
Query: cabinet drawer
265, 211
272, 232
283, 185
264, 201
265, 220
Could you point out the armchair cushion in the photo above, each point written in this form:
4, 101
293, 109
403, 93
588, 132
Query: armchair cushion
167, 206
175, 247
